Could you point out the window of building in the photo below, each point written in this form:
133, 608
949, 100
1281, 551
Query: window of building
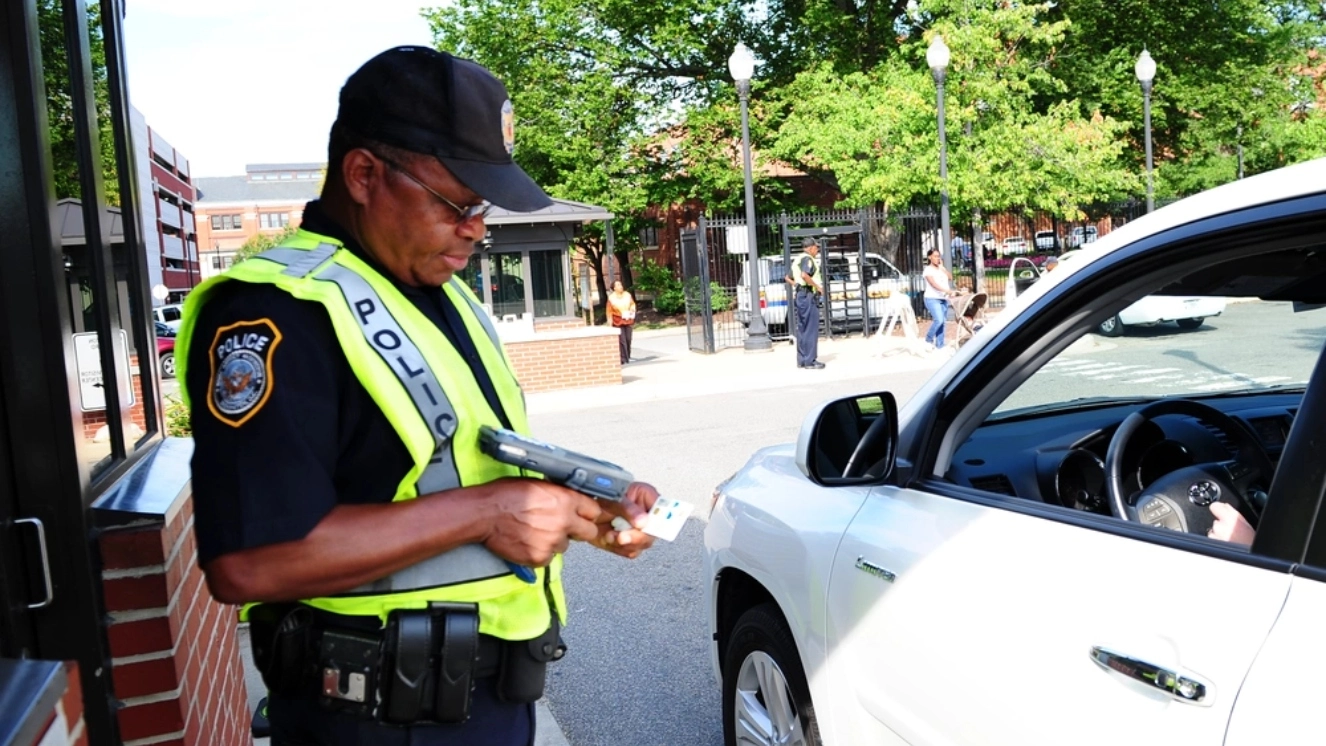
222, 262
274, 219
227, 222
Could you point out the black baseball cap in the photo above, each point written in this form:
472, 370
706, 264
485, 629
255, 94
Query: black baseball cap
429, 102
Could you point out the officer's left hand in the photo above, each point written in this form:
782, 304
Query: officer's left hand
635, 508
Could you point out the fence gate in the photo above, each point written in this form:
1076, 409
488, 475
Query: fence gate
694, 276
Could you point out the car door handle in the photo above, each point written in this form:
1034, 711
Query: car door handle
1181, 687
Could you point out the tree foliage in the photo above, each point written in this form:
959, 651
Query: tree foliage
261, 242
629, 104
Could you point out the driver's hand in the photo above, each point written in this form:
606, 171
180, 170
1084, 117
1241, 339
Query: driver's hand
1230, 525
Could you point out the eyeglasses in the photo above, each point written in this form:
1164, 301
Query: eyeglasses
463, 214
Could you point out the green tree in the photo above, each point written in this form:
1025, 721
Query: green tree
1220, 67
876, 131
262, 242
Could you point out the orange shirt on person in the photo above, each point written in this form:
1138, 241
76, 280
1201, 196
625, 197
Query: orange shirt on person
621, 309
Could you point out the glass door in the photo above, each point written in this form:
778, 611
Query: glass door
508, 285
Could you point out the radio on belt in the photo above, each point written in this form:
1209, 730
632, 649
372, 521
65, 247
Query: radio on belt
570, 469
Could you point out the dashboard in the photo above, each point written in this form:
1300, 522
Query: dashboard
1059, 457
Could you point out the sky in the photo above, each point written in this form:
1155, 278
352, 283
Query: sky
233, 82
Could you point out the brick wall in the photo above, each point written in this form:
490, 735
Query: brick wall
552, 361
558, 324
176, 667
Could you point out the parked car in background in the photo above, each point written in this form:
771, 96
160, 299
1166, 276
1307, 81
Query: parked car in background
1187, 311
842, 282
1046, 241
1014, 245
1081, 235
166, 349
1024, 554
168, 314
987, 241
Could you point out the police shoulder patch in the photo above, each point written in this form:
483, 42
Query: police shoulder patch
241, 358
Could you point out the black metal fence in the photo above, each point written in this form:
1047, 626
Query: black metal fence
868, 255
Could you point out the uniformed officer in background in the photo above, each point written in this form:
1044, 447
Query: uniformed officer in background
402, 587
805, 281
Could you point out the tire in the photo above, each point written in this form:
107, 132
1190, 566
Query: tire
1189, 323
168, 365
1111, 327
761, 659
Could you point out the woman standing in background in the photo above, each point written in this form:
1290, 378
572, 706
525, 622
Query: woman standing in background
938, 288
621, 312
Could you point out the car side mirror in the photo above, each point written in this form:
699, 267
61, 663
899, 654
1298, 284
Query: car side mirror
853, 440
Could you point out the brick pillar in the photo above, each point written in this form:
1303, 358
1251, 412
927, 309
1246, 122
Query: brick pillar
175, 665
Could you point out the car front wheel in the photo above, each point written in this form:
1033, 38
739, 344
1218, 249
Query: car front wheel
765, 697
1189, 323
168, 365
1111, 327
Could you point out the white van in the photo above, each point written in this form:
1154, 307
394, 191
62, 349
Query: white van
842, 283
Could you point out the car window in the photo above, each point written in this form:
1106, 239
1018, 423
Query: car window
1215, 375
1251, 345
170, 313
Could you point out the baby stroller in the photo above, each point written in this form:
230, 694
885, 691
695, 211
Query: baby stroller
969, 309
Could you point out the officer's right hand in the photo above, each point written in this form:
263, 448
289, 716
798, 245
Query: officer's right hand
536, 520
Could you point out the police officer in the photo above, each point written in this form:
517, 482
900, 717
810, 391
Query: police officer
402, 587
805, 280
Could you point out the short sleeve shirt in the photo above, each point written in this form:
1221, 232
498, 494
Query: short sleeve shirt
933, 273
805, 267
267, 468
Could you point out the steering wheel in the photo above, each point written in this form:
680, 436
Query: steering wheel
1181, 499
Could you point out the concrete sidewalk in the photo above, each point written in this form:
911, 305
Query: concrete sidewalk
663, 367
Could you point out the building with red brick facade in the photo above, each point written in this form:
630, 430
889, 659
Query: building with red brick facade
233, 209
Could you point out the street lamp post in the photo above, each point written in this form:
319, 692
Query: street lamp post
938, 56
742, 66
1146, 72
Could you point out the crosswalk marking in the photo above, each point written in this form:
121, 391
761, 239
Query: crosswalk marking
1140, 374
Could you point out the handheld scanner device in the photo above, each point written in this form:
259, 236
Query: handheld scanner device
573, 470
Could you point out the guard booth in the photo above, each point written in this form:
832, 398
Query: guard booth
107, 632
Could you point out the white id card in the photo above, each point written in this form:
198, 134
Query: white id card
667, 517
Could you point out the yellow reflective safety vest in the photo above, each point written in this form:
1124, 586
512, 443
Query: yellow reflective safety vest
425, 389
796, 270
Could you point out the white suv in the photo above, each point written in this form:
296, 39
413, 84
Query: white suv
169, 315
1027, 554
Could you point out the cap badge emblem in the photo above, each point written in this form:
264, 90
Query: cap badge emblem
508, 126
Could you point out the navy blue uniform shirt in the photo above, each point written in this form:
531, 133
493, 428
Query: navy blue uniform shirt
283, 430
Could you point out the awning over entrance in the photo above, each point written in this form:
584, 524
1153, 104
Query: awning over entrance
560, 211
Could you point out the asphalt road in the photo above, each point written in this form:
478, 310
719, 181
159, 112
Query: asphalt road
637, 670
